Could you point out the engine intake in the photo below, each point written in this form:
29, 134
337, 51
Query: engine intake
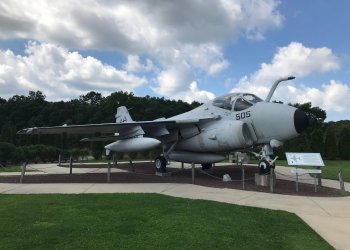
227, 135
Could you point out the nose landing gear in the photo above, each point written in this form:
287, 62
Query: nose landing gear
266, 159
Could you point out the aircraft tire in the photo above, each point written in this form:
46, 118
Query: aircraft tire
264, 167
206, 166
160, 164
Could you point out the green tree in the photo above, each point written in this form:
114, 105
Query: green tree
331, 147
91, 98
315, 114
19, 155
317, 142
6, 152
97, 150
344, 144
8, 133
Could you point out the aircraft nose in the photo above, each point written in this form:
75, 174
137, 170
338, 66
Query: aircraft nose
301, 121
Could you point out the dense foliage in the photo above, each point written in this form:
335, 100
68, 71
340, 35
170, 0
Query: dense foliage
331, 139
21, 111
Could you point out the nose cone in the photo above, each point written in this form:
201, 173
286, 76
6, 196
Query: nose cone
301, 121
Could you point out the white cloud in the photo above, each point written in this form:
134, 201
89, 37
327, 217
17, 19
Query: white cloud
294, 59
59, 73
207, 57
136, 26
194, 94
174, 80
333, 96
134, 65
172, 33
298, 60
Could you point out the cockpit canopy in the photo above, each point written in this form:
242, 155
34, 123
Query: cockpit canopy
236, 101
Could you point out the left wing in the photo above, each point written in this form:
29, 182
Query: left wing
125, 127
104, 128
124, 130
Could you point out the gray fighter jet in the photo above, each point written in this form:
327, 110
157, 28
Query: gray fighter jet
231, 122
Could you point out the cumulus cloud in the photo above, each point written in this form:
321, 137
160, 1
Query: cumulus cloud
174, 80
135, 65
333, 96
300, 61
191, 34
128, 24
195, 94
294, 59
59, 73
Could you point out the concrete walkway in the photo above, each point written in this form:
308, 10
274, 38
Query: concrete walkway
330, 217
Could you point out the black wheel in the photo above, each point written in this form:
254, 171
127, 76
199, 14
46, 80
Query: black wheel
264, 167
160, 164
206, 166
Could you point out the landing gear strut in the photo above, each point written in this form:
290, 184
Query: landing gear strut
266, 159
162, 160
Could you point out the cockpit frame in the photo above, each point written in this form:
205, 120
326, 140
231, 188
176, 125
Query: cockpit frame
236, 101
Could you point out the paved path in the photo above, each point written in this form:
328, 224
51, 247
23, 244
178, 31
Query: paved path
330, 217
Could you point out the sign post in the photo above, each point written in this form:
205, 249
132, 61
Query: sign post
192, 172
109, 172
24, 166
71, 165
243, 176
306, 159
341, 182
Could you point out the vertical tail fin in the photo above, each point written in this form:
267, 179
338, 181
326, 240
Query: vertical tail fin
122, 115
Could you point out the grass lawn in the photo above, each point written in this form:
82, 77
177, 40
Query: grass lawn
330, 170
146, 221
14, 169
11, 169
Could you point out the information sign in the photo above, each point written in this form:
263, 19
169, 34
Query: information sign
304, 159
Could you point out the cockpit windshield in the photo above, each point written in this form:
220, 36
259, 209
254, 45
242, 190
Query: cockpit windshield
236, 101
241, 104
251, 98
225, 101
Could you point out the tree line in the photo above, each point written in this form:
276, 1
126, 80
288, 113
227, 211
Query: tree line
34, 110
331, 139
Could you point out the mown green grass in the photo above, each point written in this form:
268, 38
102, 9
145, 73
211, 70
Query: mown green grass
14, 169
330, 170
146, 221
11, 169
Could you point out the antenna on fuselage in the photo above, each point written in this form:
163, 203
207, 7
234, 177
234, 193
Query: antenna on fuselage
275, 84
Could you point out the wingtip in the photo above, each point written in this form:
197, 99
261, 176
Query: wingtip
27, 131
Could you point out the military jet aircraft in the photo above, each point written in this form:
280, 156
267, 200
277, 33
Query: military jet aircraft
231, 122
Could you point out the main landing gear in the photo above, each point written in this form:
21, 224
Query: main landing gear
160, 164
161, 161
207, 166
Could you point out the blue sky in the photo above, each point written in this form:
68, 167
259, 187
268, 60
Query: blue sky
189, 50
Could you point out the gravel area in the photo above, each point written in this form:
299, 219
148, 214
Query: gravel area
145, 173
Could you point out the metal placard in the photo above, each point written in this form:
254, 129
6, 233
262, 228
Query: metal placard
304, 159
305, 171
